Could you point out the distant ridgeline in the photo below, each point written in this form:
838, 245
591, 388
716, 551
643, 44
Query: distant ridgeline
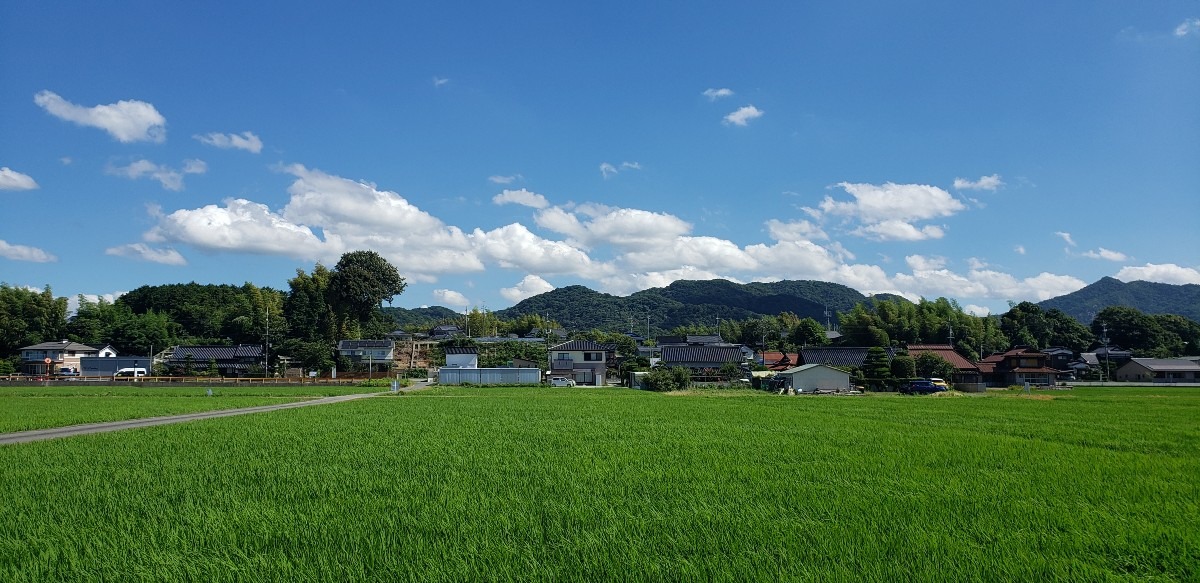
1147, 297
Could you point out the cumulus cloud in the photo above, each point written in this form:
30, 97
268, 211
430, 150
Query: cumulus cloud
715, 94
168, 177
497, 179
244, 141
1066, 237
887, 212
127, 121
25, 253
625, 228
743, 115
794, 230
522, 197
1107, 254
240, 226
143, 252
529, 286
12, 180
1160, 273
978, 311
449, 297
1190, 26
984, 183
925, 263
516, 247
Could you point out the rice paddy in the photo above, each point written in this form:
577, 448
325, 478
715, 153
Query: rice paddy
613, 484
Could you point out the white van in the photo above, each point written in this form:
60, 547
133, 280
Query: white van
129, 373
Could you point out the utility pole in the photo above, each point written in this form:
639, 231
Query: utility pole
1104, 339
267, 346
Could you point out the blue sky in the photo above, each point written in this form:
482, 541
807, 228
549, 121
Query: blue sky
993, 153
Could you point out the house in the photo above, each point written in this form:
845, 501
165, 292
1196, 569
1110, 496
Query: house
1017, 366
840, 356
445, 332
1113, 354
377, 355
810, 378
229, 361
1159, 370
462, 357
779, 361
52, 357
1059, 358
966, 375
584, 361
702, 359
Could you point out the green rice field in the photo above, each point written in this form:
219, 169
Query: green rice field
483, 484
24, 408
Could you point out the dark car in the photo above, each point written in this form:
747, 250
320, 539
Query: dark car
921, 387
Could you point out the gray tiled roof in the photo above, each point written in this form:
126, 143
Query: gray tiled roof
716, 355
582, 345
839, 355
360, 344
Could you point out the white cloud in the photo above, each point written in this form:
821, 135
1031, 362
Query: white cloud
625, 228
924, 263
743, 115
975, 310
794, 230
439, 81
144, 252
984, 183
244, 141
900, 202
1020, 249
898, 231
127, 121
12, 180
522, 197
1187, 27
1161, 273
449, 297
515, 246
607, 169
625, 284
704, 253
631, 166
497, 179
168, 177
1107, 254
241, 226
25, 253
715, 94
1065, 236
529, 286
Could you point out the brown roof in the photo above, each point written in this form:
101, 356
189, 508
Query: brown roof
945, 351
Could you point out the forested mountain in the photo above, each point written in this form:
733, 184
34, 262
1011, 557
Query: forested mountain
686, 303
405, 317
1145, 296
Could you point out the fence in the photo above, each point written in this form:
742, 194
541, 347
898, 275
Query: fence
489, 376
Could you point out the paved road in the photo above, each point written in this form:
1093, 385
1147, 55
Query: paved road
43, 434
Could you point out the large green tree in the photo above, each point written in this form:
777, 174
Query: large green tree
360, 281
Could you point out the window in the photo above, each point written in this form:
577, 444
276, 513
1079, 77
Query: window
593, 356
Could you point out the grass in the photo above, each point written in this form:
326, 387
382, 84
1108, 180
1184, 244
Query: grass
43, 407
608, 484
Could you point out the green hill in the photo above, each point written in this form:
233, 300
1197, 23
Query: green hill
1145, 296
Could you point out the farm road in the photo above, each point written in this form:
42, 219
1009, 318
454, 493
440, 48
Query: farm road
56, 432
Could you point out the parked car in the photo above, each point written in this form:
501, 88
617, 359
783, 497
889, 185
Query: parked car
562, 382
921, 387
939, 382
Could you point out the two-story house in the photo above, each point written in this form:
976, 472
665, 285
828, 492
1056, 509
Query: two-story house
584, 361
1017, 366
52, 357
377, 355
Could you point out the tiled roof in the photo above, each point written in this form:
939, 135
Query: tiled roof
945, 351
360, 344
58, 345
701, 354
582, 345
1167, 364
839, 355
461, 350
704, 339
206, 353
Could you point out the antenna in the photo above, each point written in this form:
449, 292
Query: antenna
951, 327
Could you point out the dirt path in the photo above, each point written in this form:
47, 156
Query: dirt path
88, 428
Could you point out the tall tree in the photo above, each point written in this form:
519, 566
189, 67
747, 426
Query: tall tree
360, 281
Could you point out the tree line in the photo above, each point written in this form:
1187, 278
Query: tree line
324, 305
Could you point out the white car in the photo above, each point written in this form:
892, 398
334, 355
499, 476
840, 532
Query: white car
561, 382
